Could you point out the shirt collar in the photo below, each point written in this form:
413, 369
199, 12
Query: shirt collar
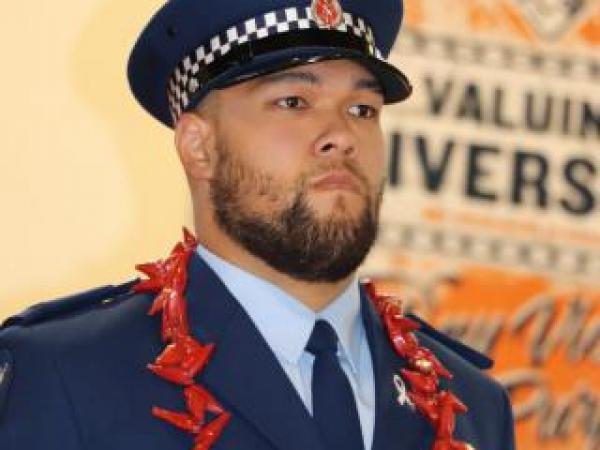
344, 316
283, 321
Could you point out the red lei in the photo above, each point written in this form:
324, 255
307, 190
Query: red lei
184, 357
439, 407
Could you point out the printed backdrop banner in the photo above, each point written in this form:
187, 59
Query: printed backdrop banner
491, 220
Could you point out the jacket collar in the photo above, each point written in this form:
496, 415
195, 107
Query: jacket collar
243, 372
397, 427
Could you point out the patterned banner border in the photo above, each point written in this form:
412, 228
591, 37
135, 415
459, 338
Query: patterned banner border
499, 56
539, 256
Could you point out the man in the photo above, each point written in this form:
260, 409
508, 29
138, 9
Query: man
259, 336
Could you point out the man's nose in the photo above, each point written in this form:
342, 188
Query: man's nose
336, 139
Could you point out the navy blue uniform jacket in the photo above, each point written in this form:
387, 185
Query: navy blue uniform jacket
74, 377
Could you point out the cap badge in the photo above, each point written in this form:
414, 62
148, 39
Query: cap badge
327, 13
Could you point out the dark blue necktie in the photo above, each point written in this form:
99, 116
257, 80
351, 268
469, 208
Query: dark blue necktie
334, 408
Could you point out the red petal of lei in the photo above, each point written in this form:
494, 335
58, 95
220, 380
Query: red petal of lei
424, 354
404, 343
422, 384
186, 353
172, 355
174, 316
153, 270
197, 358
426, 406
449, 405
211, 432
189, 239
450, 445
183, 421
156, 280
175, 375
199, 400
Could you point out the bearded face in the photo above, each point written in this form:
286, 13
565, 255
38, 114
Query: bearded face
293, 238
298, 168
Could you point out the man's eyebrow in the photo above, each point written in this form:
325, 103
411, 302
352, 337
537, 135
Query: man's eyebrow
369, 84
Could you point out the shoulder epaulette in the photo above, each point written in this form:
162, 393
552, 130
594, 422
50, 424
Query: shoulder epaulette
49, 310
473, 356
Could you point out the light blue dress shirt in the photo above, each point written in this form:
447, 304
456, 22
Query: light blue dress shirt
286, 324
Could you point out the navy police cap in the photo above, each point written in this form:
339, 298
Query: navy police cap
190, 47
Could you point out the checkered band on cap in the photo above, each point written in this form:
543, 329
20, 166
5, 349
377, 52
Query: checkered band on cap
190, 74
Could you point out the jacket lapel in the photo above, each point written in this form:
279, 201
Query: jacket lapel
397, 426
243, 373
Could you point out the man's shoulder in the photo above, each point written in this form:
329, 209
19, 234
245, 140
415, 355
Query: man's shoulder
488, 405
451, 348
486, 399
88, 330
91, 314
468, 367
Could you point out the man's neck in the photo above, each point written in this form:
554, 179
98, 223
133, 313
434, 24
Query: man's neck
314, 295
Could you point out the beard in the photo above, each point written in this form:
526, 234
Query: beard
293, 240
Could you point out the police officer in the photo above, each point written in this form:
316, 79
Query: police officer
255, 334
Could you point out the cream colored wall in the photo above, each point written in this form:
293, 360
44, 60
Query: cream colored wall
89, 184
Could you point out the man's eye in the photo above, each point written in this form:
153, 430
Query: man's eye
363, 111
292, 103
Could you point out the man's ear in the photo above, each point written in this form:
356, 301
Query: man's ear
195, 143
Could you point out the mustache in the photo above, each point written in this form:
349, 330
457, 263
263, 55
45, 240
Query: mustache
346, 165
